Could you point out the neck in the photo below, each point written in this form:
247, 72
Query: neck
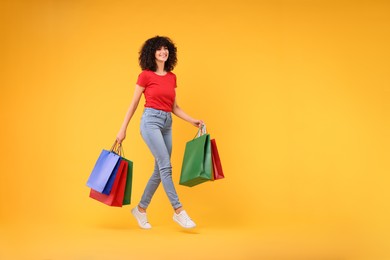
160, 67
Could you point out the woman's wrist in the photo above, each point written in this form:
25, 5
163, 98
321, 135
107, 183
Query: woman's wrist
123, 128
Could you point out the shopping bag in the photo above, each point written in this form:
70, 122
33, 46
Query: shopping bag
104, 172
216, 161
129, 181
196, 167
115, 198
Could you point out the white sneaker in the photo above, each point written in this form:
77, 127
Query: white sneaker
141, 218
184, 220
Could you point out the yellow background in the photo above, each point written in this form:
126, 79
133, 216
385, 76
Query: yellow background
296, 94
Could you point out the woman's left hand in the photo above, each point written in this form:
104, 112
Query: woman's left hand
197, 123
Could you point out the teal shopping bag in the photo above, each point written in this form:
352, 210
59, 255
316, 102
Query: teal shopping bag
197, 167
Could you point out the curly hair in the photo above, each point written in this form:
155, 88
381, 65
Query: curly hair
147, 58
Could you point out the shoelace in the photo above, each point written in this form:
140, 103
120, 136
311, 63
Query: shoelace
186, 217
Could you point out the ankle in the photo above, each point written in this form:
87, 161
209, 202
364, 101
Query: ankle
142, 210
178, 210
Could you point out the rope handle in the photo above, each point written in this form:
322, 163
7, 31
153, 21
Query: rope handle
117, 148
202, 130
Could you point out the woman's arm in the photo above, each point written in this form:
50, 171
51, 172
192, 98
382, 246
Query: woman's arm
130, 112
180, 113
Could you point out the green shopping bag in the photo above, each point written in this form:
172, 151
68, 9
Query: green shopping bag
129, 182
197, 167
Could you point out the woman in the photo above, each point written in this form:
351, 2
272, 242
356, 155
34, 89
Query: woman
157, 59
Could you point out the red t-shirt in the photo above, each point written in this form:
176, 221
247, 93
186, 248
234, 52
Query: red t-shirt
159, 90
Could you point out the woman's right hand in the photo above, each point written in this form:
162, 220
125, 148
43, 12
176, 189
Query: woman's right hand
121, 136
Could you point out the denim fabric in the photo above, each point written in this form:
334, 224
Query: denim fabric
156, 130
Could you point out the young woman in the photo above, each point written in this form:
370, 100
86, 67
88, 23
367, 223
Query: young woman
157, 59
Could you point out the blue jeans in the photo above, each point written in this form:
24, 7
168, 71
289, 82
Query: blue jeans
156, 130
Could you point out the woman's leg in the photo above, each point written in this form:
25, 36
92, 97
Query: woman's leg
156, 130
150, 188
157, 133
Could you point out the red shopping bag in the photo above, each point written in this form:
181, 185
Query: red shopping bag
216, 161
115, 198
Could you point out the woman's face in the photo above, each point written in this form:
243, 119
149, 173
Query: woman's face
162, 54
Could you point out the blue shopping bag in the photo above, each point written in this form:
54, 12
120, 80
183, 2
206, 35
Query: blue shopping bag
104, 172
